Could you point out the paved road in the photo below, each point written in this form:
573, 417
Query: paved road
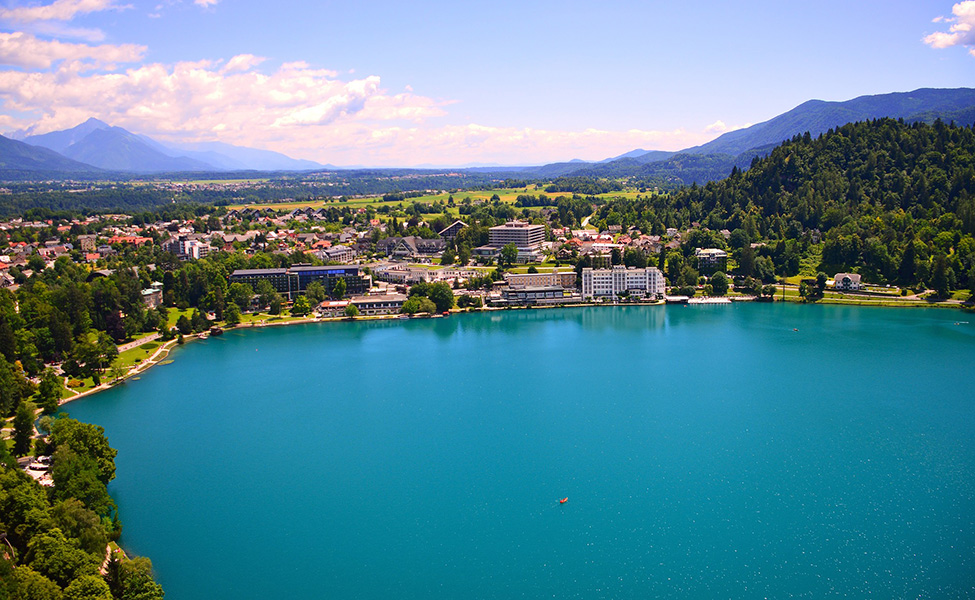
137, 343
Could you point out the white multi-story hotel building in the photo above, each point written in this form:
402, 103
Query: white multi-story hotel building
609, 283
519, 233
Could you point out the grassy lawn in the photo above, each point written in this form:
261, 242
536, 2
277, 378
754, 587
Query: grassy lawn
137, 355
506, 195
173, 315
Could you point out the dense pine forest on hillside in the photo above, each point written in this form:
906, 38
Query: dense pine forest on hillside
892, 200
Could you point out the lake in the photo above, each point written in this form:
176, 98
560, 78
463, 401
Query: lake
742, 451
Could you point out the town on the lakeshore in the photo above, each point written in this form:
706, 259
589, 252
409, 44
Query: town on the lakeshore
378, 269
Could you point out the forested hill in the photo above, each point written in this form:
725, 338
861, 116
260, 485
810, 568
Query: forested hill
890, 198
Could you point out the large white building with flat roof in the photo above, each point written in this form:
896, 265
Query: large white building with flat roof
519, 233
610, 283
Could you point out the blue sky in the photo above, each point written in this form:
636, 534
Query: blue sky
453, 83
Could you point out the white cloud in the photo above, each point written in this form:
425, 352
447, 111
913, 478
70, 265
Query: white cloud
24, 50
716, 127
962, 29
303, 111
206, 3
60, 10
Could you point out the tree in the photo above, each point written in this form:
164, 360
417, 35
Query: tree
719, 284
87, 440
508, 255
769, 291
315, 292
463, 254
137, 581
939, 276
31, 584
79, 523
51, 554
183, 325
231, 314
23, 428
117, 370
418, 304
441, 295
447, 258
300, 307
49, 391
275, 307
351, 310
339, 289
88, 587
265, 292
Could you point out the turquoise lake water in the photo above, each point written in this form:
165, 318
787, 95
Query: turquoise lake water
706, 452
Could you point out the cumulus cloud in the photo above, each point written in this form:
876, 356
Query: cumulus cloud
198, 99
961, 32
24, 50
716, 127
60, 10
206, 3
298, 109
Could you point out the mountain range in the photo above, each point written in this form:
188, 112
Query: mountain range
94, 147
99, 146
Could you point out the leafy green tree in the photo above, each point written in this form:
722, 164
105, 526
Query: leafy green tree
85, 439
351, 311
198, 321
184, 325
300, 307
316, 292
88, 587
77, 476
81, 524
719, 284
448, 256
275, 307
418, 304
463, 254
51, 554
137, 580
769, 291
33, 586
441, 295
232, 314
265, 292
508, 255
339, 288
23, 428
240, 294
14, 387
117, 371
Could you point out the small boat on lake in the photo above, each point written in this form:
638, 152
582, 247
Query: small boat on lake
564, 500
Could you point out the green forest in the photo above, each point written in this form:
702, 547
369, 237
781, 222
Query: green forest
890, 200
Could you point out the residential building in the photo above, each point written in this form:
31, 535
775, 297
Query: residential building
380, 304
87, 243
566, 279
846, 281
610, 283
410, 247
451, 231
339, 254
711, 260
532, 295
153, 295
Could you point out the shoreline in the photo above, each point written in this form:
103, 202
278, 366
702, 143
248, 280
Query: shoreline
166, 348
